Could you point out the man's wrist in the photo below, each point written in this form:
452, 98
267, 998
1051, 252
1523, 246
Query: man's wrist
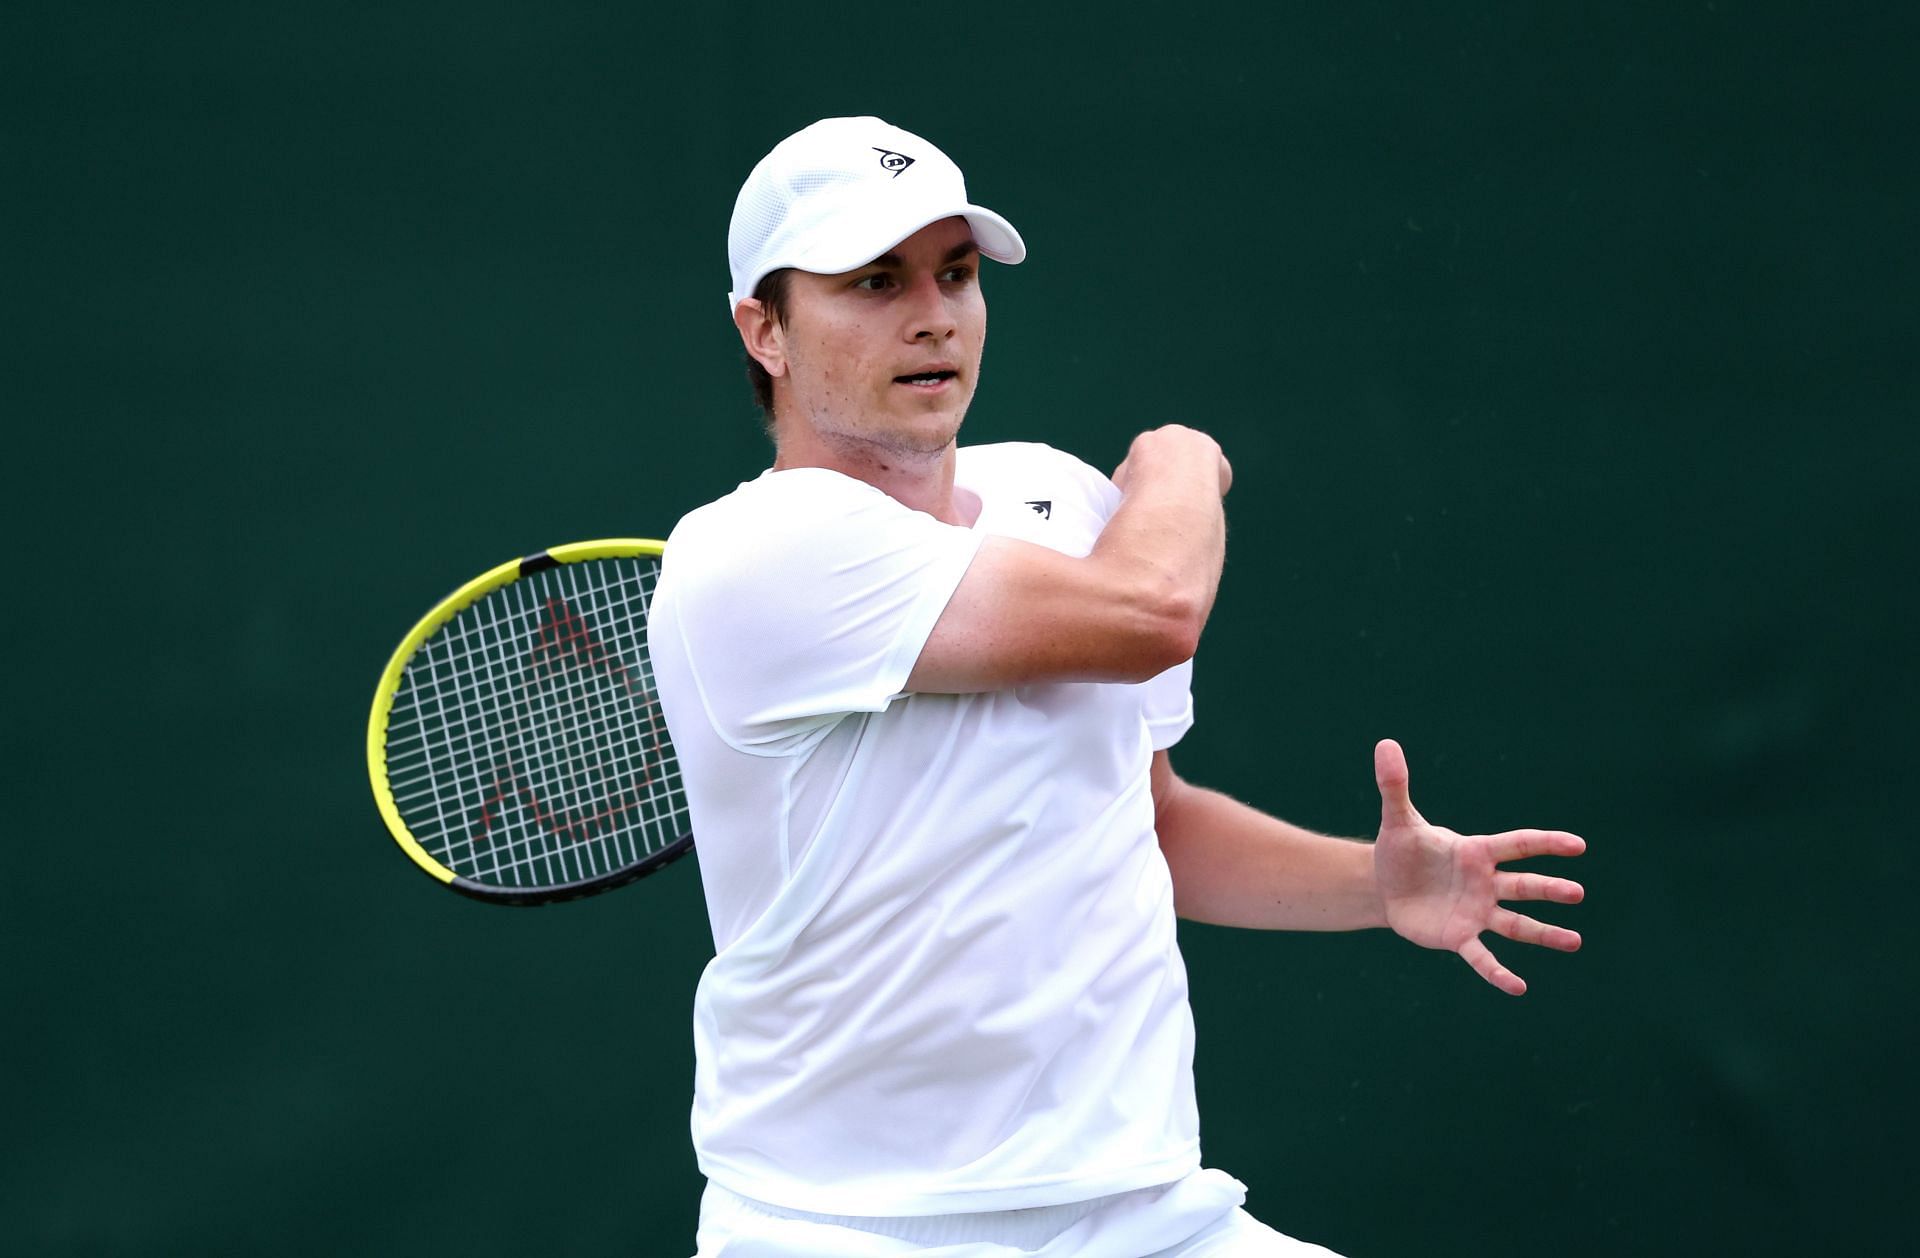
1377, 900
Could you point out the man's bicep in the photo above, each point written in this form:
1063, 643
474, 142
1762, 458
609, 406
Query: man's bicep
1024, 613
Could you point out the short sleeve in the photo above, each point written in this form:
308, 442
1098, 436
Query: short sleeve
1167, 705
804, 597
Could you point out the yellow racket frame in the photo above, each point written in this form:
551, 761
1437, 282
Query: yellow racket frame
446, 609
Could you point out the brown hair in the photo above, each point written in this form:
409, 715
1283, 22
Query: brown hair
770, 292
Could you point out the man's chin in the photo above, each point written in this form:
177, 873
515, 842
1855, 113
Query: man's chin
923, 444
926, 433
911, 444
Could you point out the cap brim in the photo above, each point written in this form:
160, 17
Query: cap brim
858, 246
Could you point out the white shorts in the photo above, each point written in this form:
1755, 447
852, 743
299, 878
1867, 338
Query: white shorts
1196, 1217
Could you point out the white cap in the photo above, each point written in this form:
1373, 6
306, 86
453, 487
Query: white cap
838, 194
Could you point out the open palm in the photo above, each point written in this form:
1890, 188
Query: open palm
1443, 890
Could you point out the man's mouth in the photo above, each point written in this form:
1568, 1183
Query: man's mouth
926, 379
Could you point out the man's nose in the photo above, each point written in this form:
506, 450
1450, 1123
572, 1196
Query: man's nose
928, 317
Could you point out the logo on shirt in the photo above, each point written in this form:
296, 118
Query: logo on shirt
1042, 507
890, 160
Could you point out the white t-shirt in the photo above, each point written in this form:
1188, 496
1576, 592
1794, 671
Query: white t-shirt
946, 976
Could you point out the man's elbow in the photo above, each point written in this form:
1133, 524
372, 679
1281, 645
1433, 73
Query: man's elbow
1170, 633
1175, 645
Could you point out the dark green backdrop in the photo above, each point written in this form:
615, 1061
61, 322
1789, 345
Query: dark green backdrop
1567, 365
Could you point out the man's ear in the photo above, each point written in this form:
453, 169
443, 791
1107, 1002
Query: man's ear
762, 334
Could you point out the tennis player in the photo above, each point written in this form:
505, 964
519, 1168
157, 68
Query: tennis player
923, 697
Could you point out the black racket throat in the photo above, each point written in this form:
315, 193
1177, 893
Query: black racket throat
533, 897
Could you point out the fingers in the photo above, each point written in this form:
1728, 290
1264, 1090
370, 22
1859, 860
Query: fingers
1390, 775
1173, 445
1516, 844
1509, 886
1475, 954
1523, 929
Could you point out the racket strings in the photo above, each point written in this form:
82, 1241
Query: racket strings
558, 718
526, 745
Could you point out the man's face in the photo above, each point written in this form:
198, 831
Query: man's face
887, 356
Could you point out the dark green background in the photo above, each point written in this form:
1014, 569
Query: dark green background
1566, 359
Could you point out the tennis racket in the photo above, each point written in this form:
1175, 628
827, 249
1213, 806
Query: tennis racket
516, 744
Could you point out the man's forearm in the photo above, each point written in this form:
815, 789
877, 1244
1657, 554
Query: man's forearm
1169, 534
1234, 865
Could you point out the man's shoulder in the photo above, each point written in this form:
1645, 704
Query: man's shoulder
1025, 457
1030, 461
774, 503
1039, 475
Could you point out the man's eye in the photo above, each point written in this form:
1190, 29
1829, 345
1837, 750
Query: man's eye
874, 283
957, 274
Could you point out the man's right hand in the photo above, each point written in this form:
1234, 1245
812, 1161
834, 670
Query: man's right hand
1160, 447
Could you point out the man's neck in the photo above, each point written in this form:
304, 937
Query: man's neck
918, 480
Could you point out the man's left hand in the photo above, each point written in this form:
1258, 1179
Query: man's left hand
1442, 890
